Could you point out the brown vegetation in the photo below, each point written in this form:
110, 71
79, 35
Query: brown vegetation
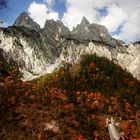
71, 106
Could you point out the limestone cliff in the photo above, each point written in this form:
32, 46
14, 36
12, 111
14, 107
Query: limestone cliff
37, 51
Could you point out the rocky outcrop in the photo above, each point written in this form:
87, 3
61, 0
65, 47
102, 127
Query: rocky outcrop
38, 51
55, 29
24, 47
24, 20
130, 59
52, 35
93, 32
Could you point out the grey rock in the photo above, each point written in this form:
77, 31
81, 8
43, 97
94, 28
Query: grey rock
24, 46
54, 29
38, 51
130, 59
83, 31
24, 20
93, 32
52, 35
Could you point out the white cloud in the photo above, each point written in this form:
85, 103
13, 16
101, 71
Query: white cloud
115, 17
40, 12
76, 9
49, 2
131, 29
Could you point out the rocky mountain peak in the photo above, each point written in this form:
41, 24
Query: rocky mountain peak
53, 28
45, 49
93, 32
24, 20
24, 14
82, 27
85, 22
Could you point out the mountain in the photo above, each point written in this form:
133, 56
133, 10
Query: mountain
55, 29
37, 51
81, 82
24, 20
93, 32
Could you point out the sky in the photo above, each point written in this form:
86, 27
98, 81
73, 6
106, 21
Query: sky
121, 17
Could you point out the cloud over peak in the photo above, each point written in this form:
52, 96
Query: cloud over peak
40, 13
120, 17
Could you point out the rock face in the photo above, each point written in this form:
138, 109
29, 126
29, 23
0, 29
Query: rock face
93, 32
55, 29
38, 51
24, 47
130, 59
24, 20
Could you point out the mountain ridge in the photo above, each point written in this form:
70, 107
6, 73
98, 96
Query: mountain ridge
80, 33
43, 50
24, 20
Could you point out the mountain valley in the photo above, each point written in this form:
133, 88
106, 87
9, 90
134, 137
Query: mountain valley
61, 84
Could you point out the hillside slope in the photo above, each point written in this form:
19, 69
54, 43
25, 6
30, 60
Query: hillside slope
71, 103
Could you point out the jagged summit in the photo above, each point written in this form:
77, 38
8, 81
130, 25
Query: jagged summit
85, 22
84, 32
52, 28
45, 49
24, 14
84, 25
24, 20
93, 32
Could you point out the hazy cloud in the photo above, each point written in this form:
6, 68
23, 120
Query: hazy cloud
131, 29
40, 12
115, 17
49, 2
